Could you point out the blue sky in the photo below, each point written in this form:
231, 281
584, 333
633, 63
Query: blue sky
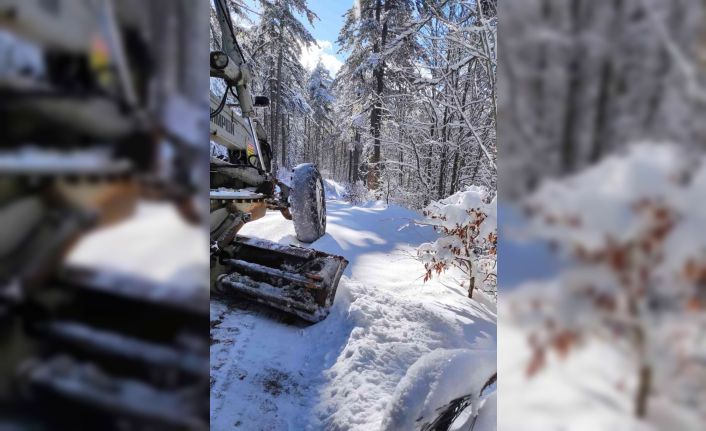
330, 14
325, 31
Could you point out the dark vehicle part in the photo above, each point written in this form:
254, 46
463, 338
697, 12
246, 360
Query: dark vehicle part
300, 281
90, 104
448, 414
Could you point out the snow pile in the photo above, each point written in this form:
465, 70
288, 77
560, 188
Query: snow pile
632, 299
389, 333
599, 203
151, 245
467, 221
435, 380
334, 190
356, 193
640, 209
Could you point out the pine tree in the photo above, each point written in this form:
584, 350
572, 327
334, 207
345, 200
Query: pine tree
320, 100
276, 42
367, 29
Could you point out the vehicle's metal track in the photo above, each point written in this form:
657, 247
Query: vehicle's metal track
98, 350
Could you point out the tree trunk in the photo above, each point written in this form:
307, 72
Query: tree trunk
356, 157
376, 114
317, 161
278, 93
271, 127
442, 163
350, 164
644, 388
454, 172
476, 166
644, 376
606, 90
568, 145
440, 186
307, 151
401, 175
599, 132
333, 162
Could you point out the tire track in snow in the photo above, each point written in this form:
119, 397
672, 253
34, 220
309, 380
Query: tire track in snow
340, 373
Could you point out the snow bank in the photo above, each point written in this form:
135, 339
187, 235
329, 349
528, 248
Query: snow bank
388, 334
487, 416
585, 392
647, 201
435, 380
334, 190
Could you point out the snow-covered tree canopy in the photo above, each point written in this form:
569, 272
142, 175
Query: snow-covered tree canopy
417, 92
581, 79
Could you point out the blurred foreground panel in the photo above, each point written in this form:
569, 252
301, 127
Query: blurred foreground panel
602, 248
103, 296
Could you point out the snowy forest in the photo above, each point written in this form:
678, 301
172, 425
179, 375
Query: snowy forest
410, 116
582, 80
403, 133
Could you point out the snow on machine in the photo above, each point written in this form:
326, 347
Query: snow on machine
298, 281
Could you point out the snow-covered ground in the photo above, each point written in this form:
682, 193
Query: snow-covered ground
155, 243
342, 373
591, 389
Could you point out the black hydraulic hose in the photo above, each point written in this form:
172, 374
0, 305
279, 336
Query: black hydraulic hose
222, 104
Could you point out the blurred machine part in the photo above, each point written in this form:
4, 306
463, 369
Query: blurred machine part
101, 105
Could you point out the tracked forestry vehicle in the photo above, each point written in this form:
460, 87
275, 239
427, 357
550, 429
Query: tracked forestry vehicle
90, 97
299, 281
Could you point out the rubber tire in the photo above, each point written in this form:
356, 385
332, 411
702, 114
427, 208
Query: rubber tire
307, 202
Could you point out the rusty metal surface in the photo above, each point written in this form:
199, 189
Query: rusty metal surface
295, 280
